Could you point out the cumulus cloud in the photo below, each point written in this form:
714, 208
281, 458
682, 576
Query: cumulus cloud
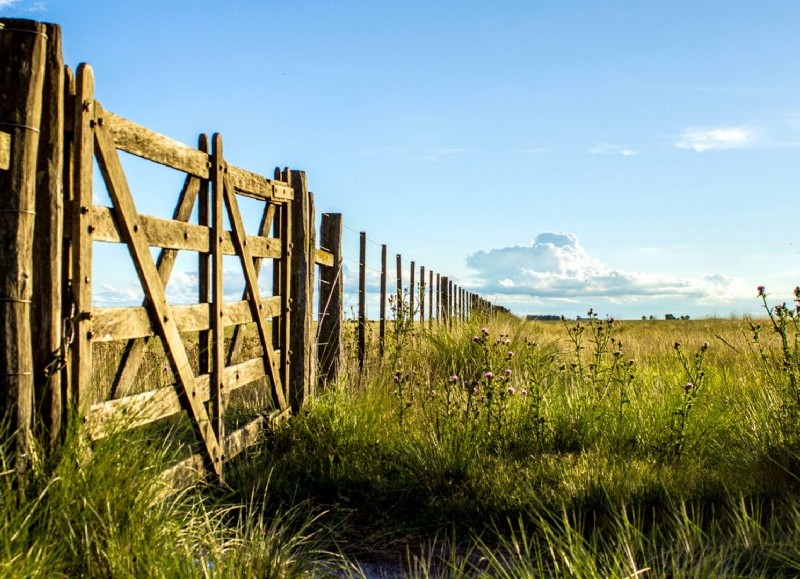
556, 266
701, 140
610, 149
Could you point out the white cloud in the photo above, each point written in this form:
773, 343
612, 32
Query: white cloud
556, 266
610, 149
701, 140
440, 154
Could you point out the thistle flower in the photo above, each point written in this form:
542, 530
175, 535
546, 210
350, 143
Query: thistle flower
488, 375
454, 378
509, 355
688, 387
476, 339
761, 289
485, 331
508, 372
523, 392
510, 390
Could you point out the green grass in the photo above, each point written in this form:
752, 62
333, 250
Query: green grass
585, 453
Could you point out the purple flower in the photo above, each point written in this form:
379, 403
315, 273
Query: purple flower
508, 372
485, 331
523, 392
474, 389
476, 339
510, 390
688, 386
509, 355
454, 378
761, 289
488, 375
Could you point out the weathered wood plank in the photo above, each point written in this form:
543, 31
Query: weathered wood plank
82, 234
127, 323
120, 194
147, 144
322, 257
146, 407
170, 234
217, 335
5, 151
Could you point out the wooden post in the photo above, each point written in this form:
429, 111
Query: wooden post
48, 355
301, 343
445, 304
411, 291
284, 225
204, 269
22, 60
450, 304
438, 298
82, 229
331, 300
430, 300
382, 327
399, 295
218, 394
422, 296
362, 300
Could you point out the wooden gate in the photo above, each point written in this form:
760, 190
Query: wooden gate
215, 185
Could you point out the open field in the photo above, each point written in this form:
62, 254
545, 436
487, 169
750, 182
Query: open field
515, 448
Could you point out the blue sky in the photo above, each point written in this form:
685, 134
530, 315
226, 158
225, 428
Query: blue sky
636, 157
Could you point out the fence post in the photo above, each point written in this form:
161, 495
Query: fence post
302, 365
362, 300
331, 300
411, 291
422, 296
22, 60
430, 300
399, 295
445, 300
48, 355
382, 324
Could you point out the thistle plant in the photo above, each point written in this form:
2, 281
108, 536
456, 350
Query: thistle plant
695, 375
785, 323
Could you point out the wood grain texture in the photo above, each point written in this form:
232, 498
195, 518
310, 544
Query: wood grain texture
22, 62
171, 234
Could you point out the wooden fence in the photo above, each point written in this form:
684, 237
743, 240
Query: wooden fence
53, 131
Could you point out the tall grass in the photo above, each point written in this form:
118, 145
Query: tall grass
498, 447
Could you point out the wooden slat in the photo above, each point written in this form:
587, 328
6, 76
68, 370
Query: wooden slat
82, 233
217, 354
120, 194
253, 185
142, 142
146, 407
5, 150
171, 234
147, 144
127, 323
323, 257
257, 307
190, 470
